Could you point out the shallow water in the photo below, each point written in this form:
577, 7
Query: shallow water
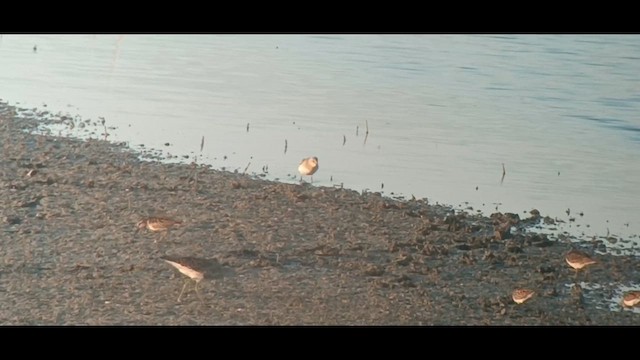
444, 112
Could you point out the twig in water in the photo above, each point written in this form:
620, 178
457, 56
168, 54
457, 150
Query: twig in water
366, 134
344, 139
504, 172
357, 128
105, 128
247, 127
285, 146
245, 169
202, 143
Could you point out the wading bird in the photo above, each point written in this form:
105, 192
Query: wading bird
195, 269
521, 295
157, 224
308, 167
578, 260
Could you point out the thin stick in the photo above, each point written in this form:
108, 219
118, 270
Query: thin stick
105, 128
198, 294
366, 134
202, 143
344, 139
504, 172
245, 169
285, 146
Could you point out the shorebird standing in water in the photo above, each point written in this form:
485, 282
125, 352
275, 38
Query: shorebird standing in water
578, 260
157, 224
308, 166
195, 269
521, 295
631, 299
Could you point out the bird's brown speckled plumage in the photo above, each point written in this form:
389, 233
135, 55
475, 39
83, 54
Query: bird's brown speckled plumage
631, 299
578, 259
157, 224
521, 295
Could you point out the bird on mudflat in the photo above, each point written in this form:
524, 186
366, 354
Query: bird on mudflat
157, 224
631, 299
308, 166
195, 269
578, 260
521, 295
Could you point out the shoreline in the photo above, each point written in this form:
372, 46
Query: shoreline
298, 254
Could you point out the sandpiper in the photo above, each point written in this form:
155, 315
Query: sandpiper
578, 260
157, 224
631, 299
521, 295
195, 269
308, 166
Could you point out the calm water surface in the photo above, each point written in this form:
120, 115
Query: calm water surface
444, 112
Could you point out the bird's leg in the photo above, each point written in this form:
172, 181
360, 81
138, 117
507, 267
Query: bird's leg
198, 293
185, 285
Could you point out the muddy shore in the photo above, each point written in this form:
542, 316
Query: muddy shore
294, 254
